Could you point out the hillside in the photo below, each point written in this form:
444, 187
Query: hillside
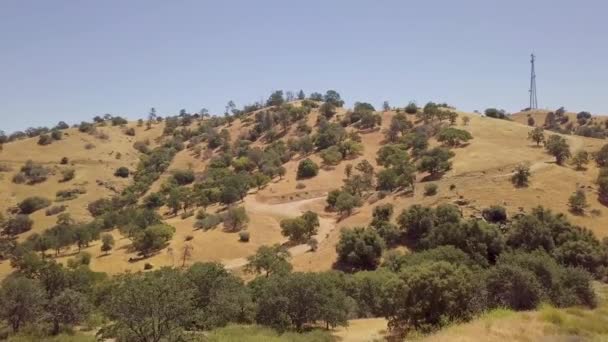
479, 177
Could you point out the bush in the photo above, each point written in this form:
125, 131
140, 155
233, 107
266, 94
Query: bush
411, 108
360, 248
122, 172
431, 295
495, 214
32, 204
512, 287
300, 186
244, 236
521, 176
54, 210
578, 202
186, 214
89, 146
152, 238
130, 131
183, 177
235, 219
45, 139
307, 169
207, 222
148, 266
17, 225
453, 136
31, 173
67, 175
430, 189
56, 135
64, 161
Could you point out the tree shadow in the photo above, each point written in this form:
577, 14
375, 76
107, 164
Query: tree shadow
433, 177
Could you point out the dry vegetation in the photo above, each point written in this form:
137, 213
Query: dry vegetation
480, 177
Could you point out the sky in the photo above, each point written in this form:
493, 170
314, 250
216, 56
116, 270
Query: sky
72, 60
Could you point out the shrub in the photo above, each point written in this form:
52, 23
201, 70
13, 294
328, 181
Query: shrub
64, 161
208, 222
54, 210
307, 169
411, 108
183, 177
432, 295
430, 189
244, 236
130, 131
495, 214
521, 175
578, 202
32, 173
122, 172
453, 136
89, 146
512, 287
558, 147
148, 266
235, 219
17, 225
19, 178
300, 186
56, 135
360, 248
32, 204
45, 139
67, 175
186, 214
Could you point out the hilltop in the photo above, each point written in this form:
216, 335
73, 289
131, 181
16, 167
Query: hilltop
191, 156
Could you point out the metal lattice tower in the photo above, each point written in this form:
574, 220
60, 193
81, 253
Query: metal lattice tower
533, 100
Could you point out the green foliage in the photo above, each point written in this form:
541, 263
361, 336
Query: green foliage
430, 189
32, 173
451, 136
580, 159
32, 204
331, 156
521, 175
235, 219
513, 287
122, 172
601, 156
300, 229
411, 108
18, 224
107, 243
431, 295
360, 248
495, 113
537, 135
495, 214
269, 260
22, 301
67, 175
183, 177
346, 202
329, 134
558, 147
152, 238
148, 306
436, 161
307, 169
578, 202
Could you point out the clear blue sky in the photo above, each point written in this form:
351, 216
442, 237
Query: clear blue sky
71, 60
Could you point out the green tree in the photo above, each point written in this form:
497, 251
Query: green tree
512, 287
580, 159
107, 243
235, 219
331, 156
558, 147
151, 306
537, 135
578, 202
360, 248
346, 202
69, 307
432, 295
153, 238
453, 136
521, 175
307, 169
21, 301
269, 260
302, 228
436, 161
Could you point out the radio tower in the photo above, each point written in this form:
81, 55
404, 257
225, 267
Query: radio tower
533, 100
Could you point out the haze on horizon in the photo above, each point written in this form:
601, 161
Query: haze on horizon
70, 61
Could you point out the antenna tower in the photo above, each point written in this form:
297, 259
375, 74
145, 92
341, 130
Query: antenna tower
533, 100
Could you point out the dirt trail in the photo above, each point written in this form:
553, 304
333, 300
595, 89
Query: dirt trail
284, 210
